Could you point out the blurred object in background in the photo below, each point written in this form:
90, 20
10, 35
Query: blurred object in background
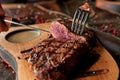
38, 0
69, 6
12, 1
34, 13
22, 1
112, 5
7, 1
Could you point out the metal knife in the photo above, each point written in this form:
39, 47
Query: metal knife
16, 22
20, 24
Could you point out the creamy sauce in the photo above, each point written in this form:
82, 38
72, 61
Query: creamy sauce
23, 36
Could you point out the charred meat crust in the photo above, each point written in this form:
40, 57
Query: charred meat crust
53, 59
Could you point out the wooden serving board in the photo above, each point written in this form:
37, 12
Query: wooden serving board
24, 73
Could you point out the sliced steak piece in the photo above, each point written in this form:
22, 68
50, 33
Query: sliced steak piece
53, 59
60, 31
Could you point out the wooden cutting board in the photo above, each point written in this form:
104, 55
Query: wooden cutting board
105, 61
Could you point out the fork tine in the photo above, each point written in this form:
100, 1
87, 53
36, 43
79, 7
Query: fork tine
74, 20
84, 22
80, 22
77, 21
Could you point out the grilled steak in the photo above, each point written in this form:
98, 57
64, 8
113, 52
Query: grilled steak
54, 58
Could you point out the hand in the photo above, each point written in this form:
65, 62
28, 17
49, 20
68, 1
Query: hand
3, 25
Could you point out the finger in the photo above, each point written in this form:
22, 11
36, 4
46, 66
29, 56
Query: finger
2, 13
3, 27
8, 18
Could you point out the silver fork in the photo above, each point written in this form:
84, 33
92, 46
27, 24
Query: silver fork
79, 21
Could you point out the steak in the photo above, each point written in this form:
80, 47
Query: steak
60, 31
53, 59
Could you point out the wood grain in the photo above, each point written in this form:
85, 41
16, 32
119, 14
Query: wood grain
24, 73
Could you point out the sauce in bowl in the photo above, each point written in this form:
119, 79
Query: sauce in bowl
21, 36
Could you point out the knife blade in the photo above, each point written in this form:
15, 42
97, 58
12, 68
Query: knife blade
20, 24
16, 22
